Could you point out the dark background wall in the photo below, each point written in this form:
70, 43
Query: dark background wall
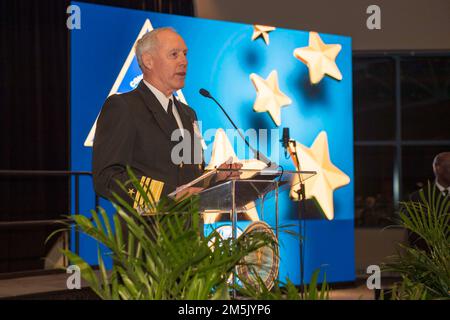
405, 24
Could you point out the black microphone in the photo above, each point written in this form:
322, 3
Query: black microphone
258, 154
285, 140
205, 93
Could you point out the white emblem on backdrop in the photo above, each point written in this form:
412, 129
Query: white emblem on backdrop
136, 80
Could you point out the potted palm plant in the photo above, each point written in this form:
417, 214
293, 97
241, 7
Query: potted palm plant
424, 272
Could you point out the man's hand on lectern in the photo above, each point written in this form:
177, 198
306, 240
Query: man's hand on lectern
228, 175
187, 192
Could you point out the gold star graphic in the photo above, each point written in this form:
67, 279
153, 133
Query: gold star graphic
262, 31
269, 97
321, 186
320, 58
131, 192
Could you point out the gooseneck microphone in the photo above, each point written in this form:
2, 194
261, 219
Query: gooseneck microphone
205, 93
285, 140
258, 154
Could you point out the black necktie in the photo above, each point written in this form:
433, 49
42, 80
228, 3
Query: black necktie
172, 120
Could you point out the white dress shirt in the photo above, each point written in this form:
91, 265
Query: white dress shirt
165, 103
441, 188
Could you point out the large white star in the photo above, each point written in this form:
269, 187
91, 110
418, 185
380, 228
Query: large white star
320, 58
328, 178
269, 96
223, 151
261, 31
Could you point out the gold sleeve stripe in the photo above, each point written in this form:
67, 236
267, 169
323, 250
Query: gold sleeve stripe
145, 187
137, 198
156, 189
152, 187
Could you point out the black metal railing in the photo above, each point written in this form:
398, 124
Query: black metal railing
38, 223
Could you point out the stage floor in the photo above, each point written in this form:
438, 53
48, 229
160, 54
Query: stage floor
53, 286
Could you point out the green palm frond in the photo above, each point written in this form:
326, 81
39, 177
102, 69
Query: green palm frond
287, 290
425, 273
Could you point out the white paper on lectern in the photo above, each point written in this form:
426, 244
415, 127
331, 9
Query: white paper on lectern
193, 182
